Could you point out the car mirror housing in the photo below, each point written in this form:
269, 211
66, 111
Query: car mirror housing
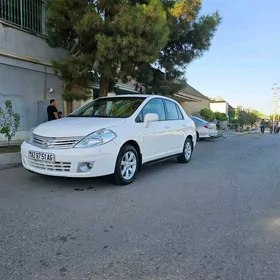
150, 117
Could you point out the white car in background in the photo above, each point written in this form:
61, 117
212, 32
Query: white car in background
111, 135
204, 129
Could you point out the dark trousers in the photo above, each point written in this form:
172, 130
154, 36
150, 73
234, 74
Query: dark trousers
262, 129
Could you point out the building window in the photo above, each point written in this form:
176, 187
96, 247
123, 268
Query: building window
26, 14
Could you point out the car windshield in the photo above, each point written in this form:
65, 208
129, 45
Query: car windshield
109, 107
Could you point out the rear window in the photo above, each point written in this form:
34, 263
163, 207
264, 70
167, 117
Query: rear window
198, 119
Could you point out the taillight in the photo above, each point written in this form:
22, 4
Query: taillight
206, 126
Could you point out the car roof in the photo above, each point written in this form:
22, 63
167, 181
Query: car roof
129, 95
139, 95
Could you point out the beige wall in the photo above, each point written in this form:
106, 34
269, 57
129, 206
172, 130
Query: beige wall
192, 108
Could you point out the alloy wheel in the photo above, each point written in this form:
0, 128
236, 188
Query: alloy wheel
128, 165
188, 150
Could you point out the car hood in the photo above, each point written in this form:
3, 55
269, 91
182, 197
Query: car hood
75, 126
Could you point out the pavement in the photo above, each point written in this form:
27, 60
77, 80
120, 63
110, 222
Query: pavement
215, 218
10, 160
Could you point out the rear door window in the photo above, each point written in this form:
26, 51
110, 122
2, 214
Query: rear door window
171, 110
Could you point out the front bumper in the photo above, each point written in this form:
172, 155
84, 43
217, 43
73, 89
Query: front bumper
67, 161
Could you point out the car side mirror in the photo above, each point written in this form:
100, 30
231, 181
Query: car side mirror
150, 118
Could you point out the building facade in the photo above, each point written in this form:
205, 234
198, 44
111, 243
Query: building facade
231, 113
224, 107
192, 100
26, 76
220, 107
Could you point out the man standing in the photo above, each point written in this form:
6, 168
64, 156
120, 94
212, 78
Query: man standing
262, 126
275, 126
52, 111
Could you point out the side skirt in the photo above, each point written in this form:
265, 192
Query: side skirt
152, 162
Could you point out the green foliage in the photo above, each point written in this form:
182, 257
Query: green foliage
9, 121
221, 116
106, 40
235, 121
277, 117
190, 37
207, 114
247, 117
151, 41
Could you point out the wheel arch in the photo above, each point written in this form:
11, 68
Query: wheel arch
134, 144
191, 138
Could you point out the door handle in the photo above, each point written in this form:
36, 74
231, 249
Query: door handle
167, 126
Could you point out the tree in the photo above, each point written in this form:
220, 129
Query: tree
106, 41
9, 121
221, 116
207, 114
190, 37
150, 41
247, 117
218, 98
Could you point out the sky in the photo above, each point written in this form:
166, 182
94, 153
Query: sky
243, 63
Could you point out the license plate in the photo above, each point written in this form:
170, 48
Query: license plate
41, 156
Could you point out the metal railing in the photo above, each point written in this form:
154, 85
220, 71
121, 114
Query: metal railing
25, 14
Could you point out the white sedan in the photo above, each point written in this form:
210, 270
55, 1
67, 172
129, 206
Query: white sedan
111, 135
204, 129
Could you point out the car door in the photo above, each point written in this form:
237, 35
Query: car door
175, 126
154, 138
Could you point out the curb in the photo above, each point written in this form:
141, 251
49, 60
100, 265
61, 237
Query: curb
10, 160
239, 133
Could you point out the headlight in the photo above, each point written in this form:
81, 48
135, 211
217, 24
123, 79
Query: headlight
30, 139
96, 138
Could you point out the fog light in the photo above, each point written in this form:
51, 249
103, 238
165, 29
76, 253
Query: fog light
85, 166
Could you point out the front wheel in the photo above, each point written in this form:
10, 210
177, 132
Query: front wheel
187, 152
127, 165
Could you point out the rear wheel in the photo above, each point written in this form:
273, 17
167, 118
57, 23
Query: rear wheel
187, 152
127, 165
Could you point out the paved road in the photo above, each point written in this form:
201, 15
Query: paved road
217, 218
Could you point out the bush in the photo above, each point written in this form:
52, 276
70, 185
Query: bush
221, 116
9, 121
247, 117
207, 114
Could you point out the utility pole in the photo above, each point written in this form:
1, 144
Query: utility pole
275, 88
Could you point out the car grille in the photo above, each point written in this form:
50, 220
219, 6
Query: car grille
54, 143
51, 166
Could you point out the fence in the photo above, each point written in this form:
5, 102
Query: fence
25, 14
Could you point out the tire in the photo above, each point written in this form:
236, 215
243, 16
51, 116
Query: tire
125, 173
187, 152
